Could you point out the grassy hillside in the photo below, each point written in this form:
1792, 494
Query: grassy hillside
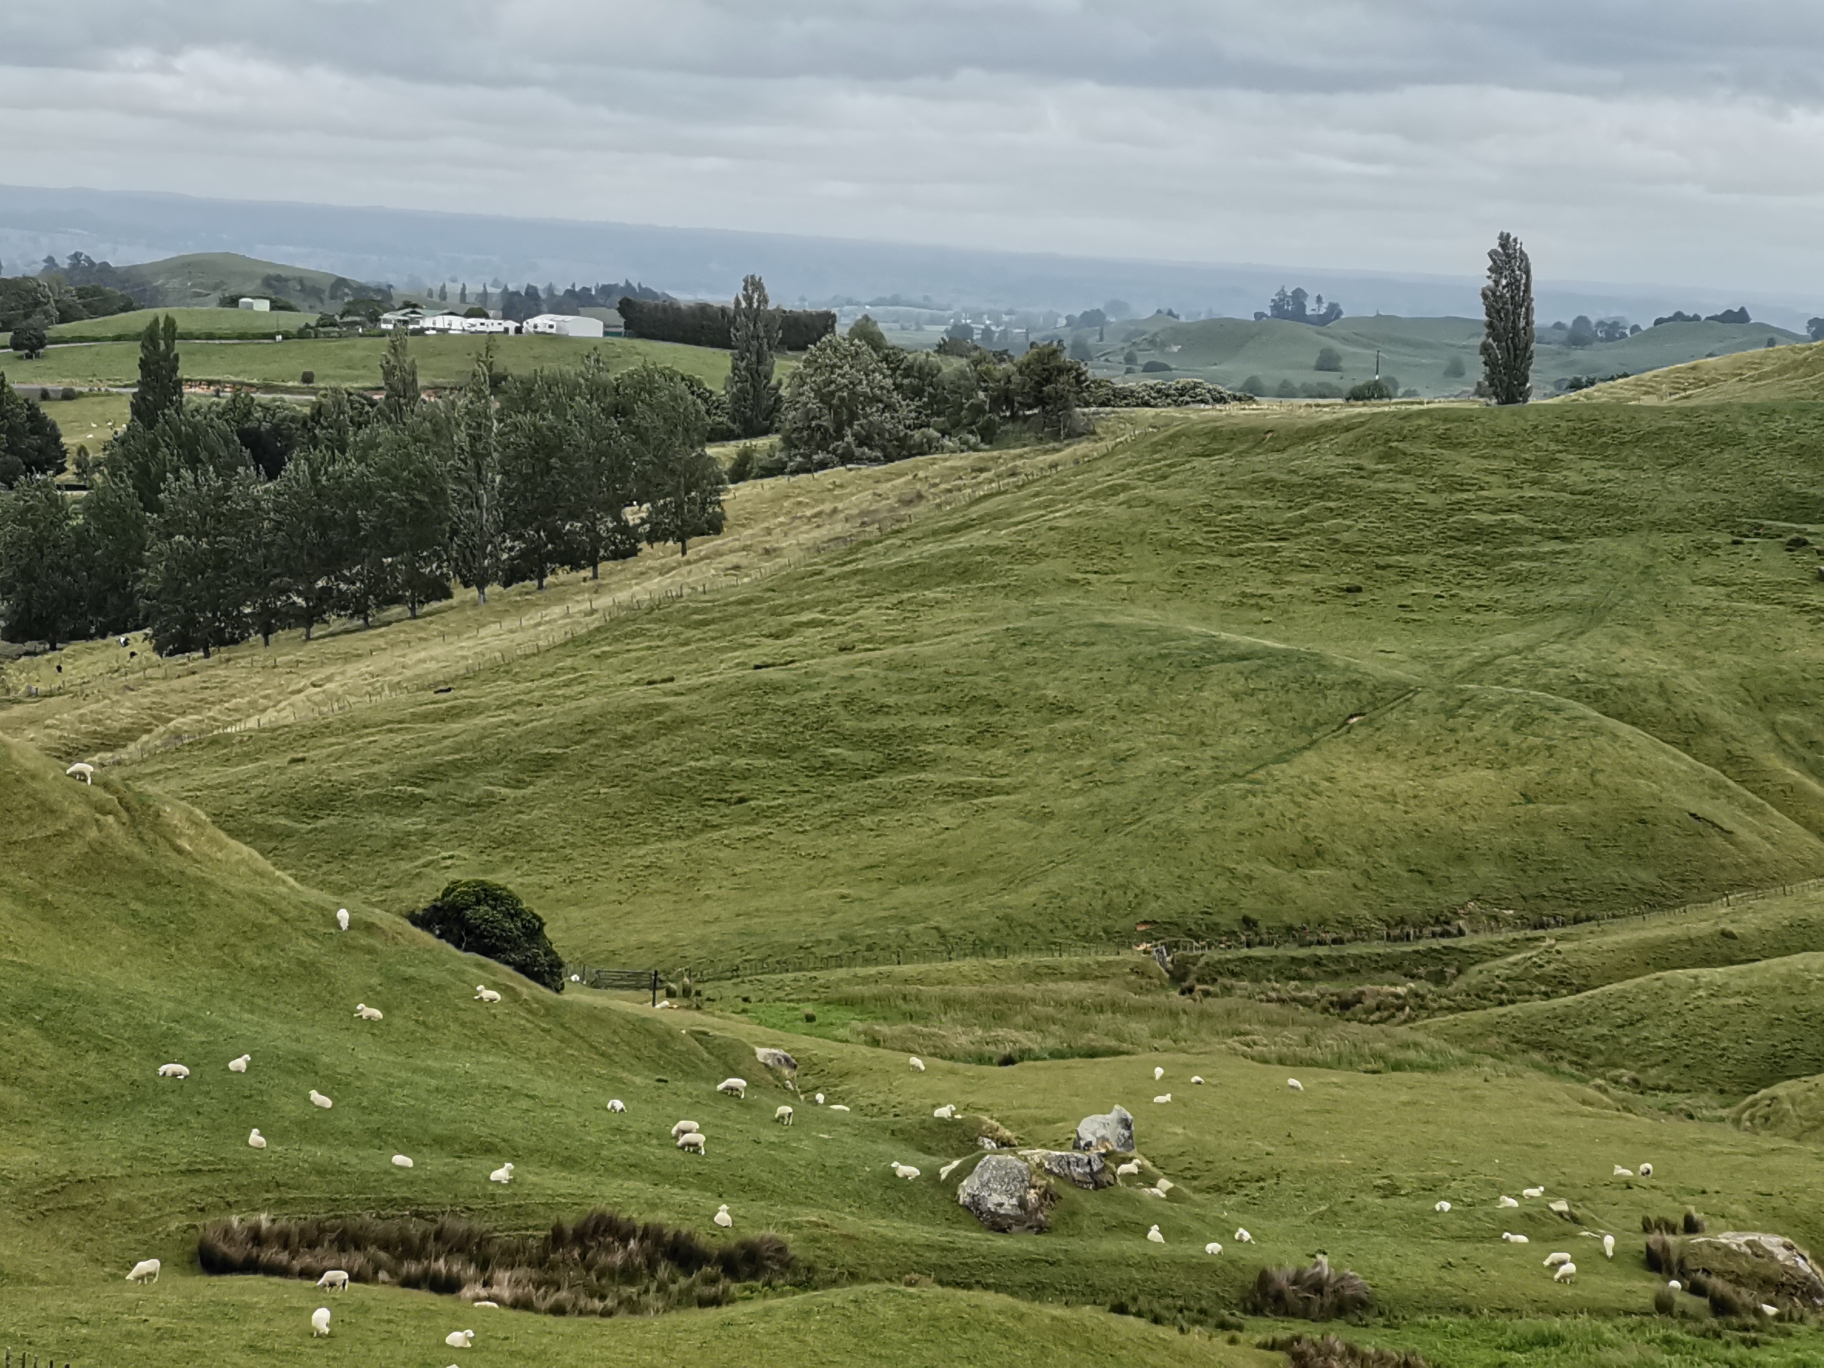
1795, 372
355, 360
1416, 351
201, 278
1124, 693
192, 324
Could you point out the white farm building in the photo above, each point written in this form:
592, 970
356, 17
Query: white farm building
564, 325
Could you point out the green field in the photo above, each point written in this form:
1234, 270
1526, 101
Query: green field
985, 714
192, 325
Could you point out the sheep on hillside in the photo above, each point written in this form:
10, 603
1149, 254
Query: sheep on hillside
1131, 1169
1163, 1097
837, 1106
145, 1271
783, 1116
1608, 1246
917, 1063
1243, 1237
1566, 1271
1154, 1235
367, 1013
1532, 1192
1645, 1170
240, 1065
83, 771
682, 1127
944, 1173
1158, 1073
1295, 1085
734, 1087
318, 1100
255, 1140
1212, 1248
1512, 1238
402, 1161
692, 1140
319, 1322
1621, 1172
1507, 1202
336, 1280
173, 1071
1197, 1079
905, 1171
503, 1174
341, 919
1442, 1206
947, 1112
722, 1218
1553, 1260
484, 994
616, 1105
460, 1339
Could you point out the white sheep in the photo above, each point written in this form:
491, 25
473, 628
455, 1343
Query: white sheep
1442, 1206
1566, 1271
1621, 1172
1242, 1236
341, 919
487, 1305
1158, 1073
460, 1339
240, 1065
1512, 1238
616, 1105
173, 1071
319, 1322
1212, 1248
1507, 1202
1197, 1079
1163, 1186
692, 1140
662, 1004
318, 1100
255, 1139
783, 1115
145, 1271
1675, 1286
1532, 1192
83, 771
336, 1280
947, 1112
367, 1013
1553, 1260
1646, 1170
1131, 1169
948, 1169
1295, 1085
734, 1087
818, 1099
1768, 1309
483, 994
503, 1174
1608, 1246
905, 1171
917, 1064
837, 1106
682, 1127
402, 1161
722, 1218
1163, 1097
1154, 1235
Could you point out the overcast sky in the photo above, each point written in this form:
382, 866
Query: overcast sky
1676, 141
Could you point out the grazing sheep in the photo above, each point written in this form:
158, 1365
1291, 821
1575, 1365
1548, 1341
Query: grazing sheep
173, 1071
1154, 1235
460, 1339
1553, 1260
1532, 1192
1645, 1170
1507, 1202
485, 994
837, 1106
402, 1161
239, 1065
1566, 1271
145, 1271
905, 1171
1163, 1097
948, 1169
1608, 1246
503, 1174
616, 1105
722, 1218
1158, 1073
367, 1013
255, 1139
947, 1112
818, 1099
1242, 1236
1131, 1169
336, 1280
682, 1127
1442, 1206
341, 919
318, 1100
83, 771
319, 1322
1197, 1079
692, 1140
1768, 1310
783, 1116
1512, 1238
734, 1087
917, 1064
1295, 1085
1212, 1248
1621, 1172
1675, 1286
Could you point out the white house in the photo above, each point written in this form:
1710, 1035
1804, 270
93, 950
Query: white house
456, 323
257, 305
564, 325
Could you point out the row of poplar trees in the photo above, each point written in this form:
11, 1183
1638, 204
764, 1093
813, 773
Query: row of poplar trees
211, 522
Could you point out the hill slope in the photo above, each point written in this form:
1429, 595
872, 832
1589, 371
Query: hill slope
1778, 373
201, 278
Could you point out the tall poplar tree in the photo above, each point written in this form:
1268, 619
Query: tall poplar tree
399, 378
753, 394
1507, 308
474, 444
161, 389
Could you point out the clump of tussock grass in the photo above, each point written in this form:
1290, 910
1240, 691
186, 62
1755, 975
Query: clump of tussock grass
1302, 1351
1318, 1292
602, 1264
1689, 1224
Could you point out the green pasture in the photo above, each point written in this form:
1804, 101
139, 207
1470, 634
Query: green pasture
193, 324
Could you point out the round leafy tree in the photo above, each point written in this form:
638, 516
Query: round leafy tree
484, 918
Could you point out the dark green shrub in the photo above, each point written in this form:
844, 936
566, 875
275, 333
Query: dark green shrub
1367, 392
1302, 1351
308, 378
741, 468
1152, 367
483, 918
1328, 359
68, 393
1454, 368
1254, 385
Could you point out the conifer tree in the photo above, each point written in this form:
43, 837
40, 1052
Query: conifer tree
161, 389
1507, 307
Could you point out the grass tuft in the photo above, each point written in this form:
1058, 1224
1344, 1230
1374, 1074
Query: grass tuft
1318, 1292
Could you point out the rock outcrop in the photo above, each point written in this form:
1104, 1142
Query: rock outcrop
1007, 1195
1770, 1266
1112, 1131
1086, 1170
776, 1059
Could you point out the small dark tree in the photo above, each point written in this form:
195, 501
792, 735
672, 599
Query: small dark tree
483, 918
1454, 369
1507, 308
29, 340
865, 329
30, 443
161, 387
753, 394
42, 593
1328, 359
1045, 380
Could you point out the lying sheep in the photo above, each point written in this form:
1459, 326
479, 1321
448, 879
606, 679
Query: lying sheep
1566, 1271
485, 994
734, 1087
367, 1013
173, 1071
682, 1127
240, 1065
319, 1322
402, 1161
1442, 1206
255, 1140
722, 1218
336, 1280
1131, 1169
1163, 1097
145, 1271
692, 1140
1621, 1172
837, 1106
1507, 1202
1532, 1192
318, 1100
947, 1112
905, 1171
783, 1116
460, 1339
1154, 1235
616, 1105
1512, 1238
503, 1174
1212, 1248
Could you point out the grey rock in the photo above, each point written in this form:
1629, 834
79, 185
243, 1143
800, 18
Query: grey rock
776, 1059
1086, 1170
1006, 1196
1770, 1265
1113, 1130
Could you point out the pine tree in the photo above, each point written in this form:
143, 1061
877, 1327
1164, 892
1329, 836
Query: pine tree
42, 590
753, 394
1507, 307
161, 388
399, 378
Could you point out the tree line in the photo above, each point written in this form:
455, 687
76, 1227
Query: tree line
212, 522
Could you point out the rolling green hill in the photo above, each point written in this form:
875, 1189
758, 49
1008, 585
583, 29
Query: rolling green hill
201, 278
1756, 376
192, 325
